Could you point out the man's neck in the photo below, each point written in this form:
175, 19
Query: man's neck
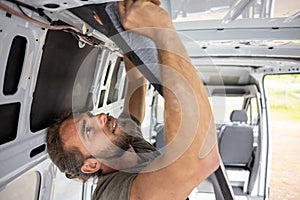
128, 160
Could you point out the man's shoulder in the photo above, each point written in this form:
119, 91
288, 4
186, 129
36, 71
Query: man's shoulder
114, 186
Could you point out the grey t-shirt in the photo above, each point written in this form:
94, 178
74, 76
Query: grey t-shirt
117, 185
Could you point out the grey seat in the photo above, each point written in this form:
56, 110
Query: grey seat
236, 140
160, 138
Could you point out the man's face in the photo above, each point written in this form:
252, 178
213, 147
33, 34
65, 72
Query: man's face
100, 136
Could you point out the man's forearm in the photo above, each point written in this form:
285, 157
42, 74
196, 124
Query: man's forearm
189, 119
135, 91
184, 92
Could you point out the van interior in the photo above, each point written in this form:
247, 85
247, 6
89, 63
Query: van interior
56, 56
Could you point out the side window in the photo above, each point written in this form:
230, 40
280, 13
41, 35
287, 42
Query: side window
112, 82
114, 89
14, 65
25, 187
159, 109
252, 112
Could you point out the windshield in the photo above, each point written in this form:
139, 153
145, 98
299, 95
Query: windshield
190, 10
222, 106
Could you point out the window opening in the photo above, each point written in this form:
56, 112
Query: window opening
101, 100
9, 116
37, 150
107, 73
14, 65
115, 82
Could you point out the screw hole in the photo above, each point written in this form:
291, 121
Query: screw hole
8, 15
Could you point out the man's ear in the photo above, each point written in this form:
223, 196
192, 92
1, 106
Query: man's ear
90, 165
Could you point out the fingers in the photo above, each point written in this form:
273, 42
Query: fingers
156, 2
129, 4
124, 7
136, 13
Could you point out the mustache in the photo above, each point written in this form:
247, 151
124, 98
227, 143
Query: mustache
129, 127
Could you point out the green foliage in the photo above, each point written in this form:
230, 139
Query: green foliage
284, 95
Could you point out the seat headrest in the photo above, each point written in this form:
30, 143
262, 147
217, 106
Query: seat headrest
239, 116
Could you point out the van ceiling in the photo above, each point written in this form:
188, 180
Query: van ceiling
61, 61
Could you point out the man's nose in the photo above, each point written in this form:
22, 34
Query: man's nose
102, 118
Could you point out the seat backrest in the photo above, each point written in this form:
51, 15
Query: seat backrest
160, 138
236, 140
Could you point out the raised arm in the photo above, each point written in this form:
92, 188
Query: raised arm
188, 116
135, 93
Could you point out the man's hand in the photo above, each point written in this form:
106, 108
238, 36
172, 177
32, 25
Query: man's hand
144, 16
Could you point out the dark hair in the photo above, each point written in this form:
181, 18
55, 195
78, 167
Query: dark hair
69, 161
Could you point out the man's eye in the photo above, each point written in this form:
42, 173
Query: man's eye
88, 131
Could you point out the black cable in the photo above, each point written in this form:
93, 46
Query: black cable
42, 14
22, 11
23, 5
39, 11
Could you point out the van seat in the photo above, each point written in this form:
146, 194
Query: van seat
236, 147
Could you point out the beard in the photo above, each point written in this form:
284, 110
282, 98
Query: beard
115, 149
121, 142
